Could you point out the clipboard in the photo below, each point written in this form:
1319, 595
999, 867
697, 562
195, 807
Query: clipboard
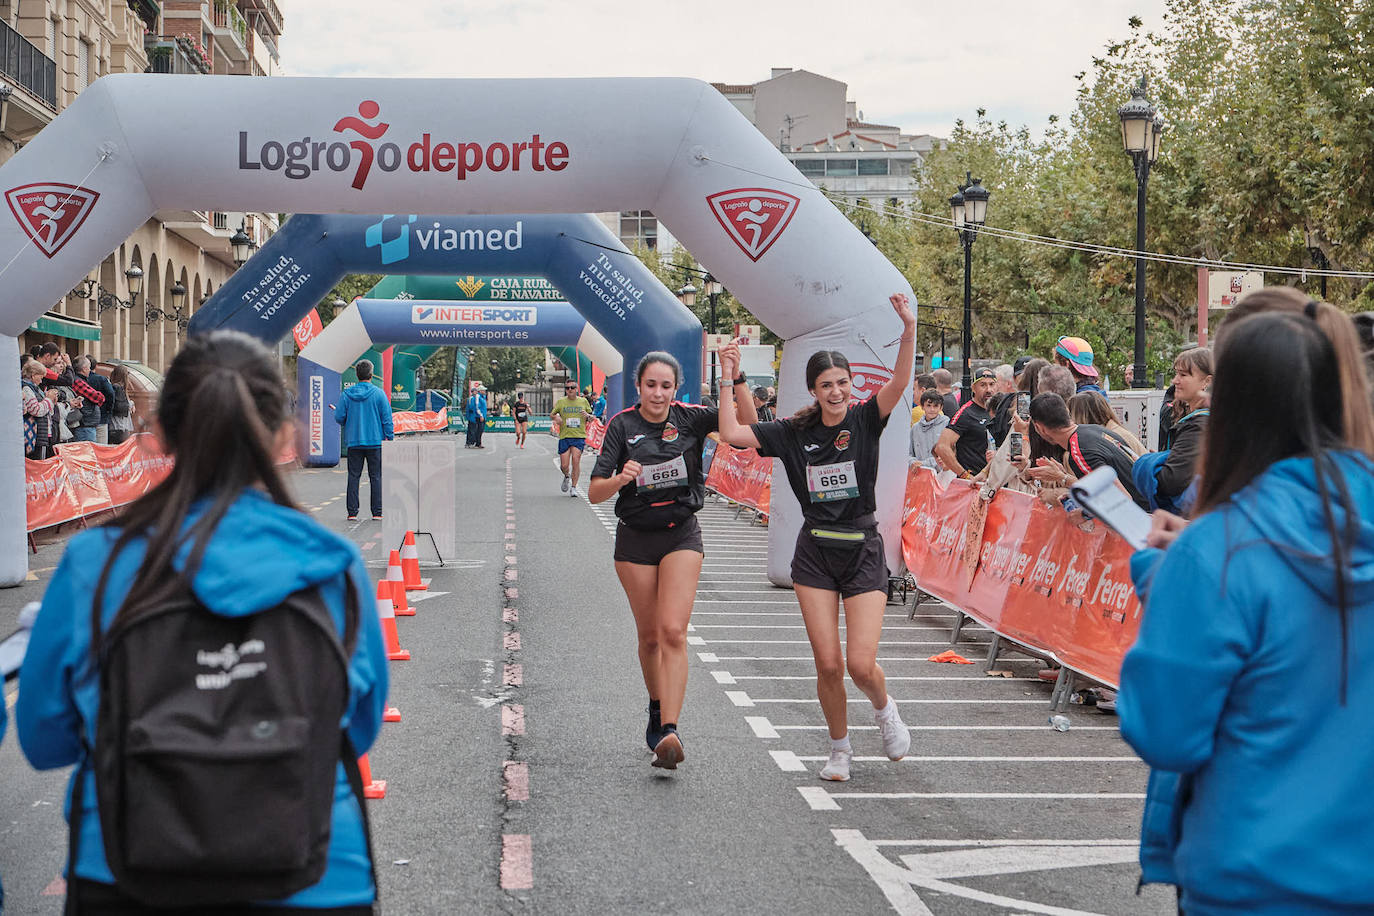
1099, 494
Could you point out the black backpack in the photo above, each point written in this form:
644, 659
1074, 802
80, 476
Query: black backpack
120, 407
217, 743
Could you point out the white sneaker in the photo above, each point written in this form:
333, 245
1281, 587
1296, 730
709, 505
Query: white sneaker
564, 485
837, 768
572, 491
896, 736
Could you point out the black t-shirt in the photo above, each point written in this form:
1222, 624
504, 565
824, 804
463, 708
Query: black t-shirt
831, 469
521, 411
1092, 447
971, 423
951, 406
672, 485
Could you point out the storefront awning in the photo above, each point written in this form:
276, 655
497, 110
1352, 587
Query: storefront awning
64, 326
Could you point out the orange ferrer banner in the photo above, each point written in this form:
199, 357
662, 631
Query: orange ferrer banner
406, 421
741, 475
85, 478
596, 433
1039, 579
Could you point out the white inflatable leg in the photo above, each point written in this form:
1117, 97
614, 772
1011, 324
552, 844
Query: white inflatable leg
864, 340
14, 549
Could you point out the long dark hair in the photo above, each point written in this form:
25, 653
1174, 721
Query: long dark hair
1296, 410
221, 406
820, 361
659, 356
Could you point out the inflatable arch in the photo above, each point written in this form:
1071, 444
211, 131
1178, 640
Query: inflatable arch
302, 262
297, 145
368, 321
483, 289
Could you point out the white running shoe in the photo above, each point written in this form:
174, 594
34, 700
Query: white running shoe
564, 485
837, 768
572, 491
896, 736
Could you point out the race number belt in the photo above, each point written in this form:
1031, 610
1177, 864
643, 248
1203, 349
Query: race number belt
662, 476
830, 482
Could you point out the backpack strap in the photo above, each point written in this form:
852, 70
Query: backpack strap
355, 780
74, 824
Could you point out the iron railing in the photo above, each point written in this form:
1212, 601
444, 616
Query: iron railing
21, 61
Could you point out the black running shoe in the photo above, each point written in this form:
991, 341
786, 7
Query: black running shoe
668, 752
653, 732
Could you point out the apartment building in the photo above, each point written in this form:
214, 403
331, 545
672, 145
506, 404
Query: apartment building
135, 304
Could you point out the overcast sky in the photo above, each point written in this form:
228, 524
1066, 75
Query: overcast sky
912, 63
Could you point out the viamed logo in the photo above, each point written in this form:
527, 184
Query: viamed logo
393, 249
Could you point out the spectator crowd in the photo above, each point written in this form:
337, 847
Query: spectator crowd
65, 400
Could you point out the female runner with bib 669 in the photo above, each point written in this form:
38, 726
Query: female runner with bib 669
830, 453
652, 455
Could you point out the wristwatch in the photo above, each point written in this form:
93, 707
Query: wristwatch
741, 379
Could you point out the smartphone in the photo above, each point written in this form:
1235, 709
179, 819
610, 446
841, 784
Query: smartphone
1099, 493
1015, 447
1023, 404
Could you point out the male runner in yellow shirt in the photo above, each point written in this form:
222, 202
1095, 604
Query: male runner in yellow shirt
571, 413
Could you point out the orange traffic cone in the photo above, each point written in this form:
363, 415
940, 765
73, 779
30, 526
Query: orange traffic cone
372, 788
386, 611
398, 585
410, 564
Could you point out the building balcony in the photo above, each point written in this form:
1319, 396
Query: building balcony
22, 63
147, 10
231, 31
206, 229
167, 54
268, 11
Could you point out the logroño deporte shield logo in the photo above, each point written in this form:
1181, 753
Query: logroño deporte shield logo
51, 212
753, 217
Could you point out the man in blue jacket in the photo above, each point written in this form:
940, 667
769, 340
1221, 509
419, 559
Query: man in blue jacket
365, 414
476, 413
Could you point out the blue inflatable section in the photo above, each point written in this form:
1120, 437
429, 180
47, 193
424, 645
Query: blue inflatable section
616, 293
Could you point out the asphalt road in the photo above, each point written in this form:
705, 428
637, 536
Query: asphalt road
518, 780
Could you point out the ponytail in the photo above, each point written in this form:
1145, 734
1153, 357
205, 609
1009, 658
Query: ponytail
820, 361
221, 407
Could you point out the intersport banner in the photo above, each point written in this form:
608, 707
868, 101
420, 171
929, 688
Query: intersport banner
741, 475
1034, 577
408, 421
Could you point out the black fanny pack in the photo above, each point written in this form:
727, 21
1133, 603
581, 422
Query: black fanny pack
842, 537
658, 516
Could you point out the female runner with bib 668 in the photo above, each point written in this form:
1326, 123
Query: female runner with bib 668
830, 453
652, 456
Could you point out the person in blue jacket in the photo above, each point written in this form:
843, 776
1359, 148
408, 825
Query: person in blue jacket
223, 416
365, 415
1249, 689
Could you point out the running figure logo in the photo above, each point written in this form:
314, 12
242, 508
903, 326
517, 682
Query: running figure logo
51, 212
368, 109
753, 217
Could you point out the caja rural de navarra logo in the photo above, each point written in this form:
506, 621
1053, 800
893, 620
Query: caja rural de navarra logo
301, 158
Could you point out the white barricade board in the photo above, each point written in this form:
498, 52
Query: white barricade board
1139, 409
419, 494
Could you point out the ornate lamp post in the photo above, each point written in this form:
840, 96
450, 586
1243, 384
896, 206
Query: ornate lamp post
1141, 129
969, 208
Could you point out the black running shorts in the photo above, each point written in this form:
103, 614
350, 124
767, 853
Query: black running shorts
848, 570
649, 547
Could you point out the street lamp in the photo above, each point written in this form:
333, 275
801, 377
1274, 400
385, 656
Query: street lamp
1141, 129
969, 209
178, 297
1314, 248
713, 291
687, 295
241, 244
135, 277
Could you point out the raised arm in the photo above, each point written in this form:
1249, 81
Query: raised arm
745, 410
890, 395
731, 432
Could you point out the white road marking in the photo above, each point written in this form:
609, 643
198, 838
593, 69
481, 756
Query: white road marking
818, 799
1063, 796
761, 726
707, 657
695, 641
723, 677
788, 762
739, 698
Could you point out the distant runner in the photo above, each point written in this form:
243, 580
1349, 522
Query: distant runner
570, 415
521, 413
